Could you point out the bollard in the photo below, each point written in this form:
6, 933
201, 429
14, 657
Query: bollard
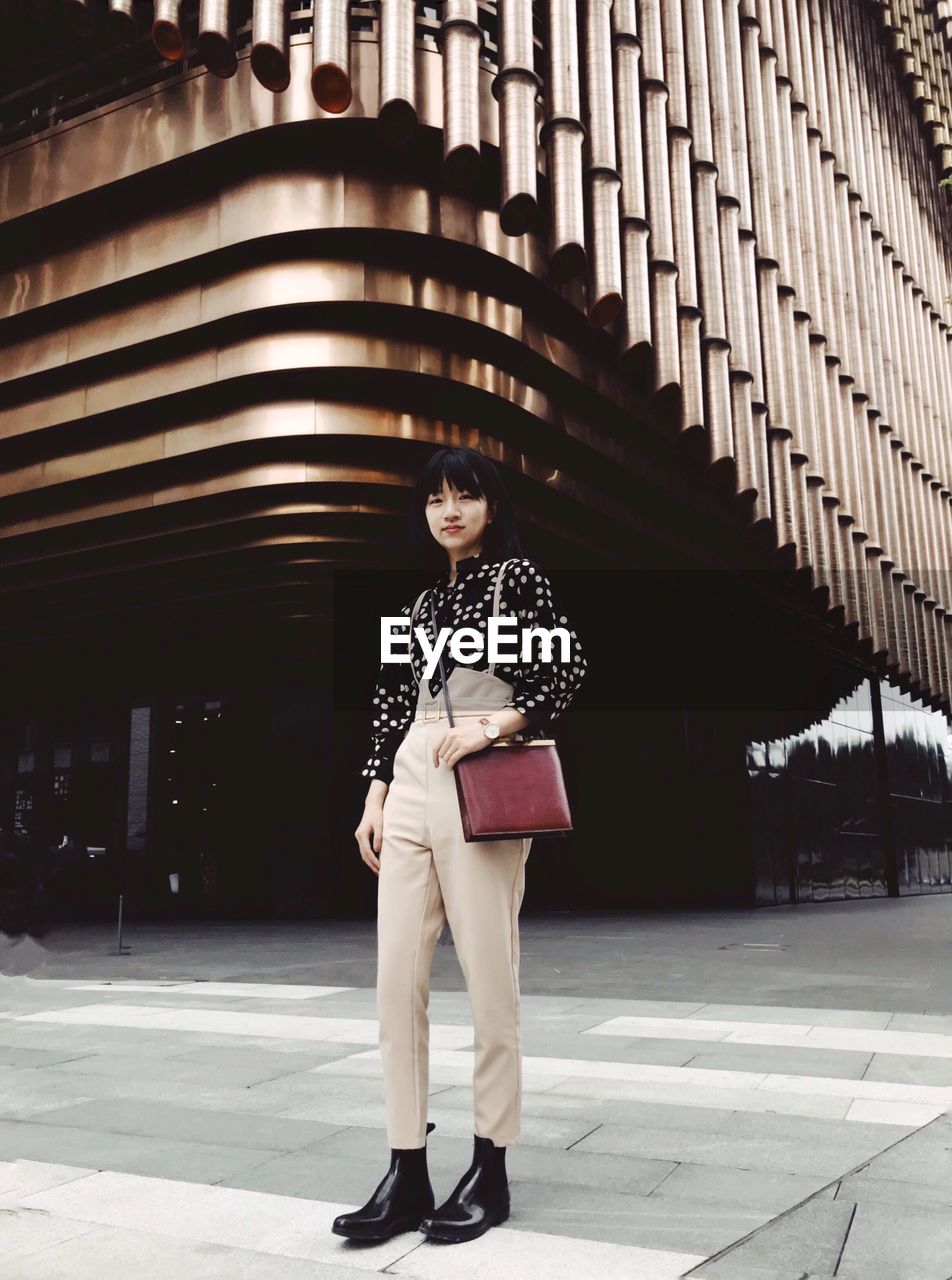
121, 948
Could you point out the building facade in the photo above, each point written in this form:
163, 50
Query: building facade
682, 267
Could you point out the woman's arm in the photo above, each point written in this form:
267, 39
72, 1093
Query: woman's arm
394, 699
543, 689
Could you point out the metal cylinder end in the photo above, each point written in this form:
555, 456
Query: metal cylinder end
331, 87
518, 214
77, 16
461, 169
168, 40
122, 25
605, 309
218, 54
398, 120
567, 262
270, 67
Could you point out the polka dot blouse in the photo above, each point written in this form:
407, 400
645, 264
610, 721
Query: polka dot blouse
542, 689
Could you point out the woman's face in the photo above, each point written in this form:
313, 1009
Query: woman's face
457, 520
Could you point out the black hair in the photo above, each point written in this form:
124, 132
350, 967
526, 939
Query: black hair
471, 470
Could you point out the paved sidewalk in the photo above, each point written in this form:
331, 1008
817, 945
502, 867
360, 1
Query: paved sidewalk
693, 1106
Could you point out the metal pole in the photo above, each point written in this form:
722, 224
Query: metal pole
121, 948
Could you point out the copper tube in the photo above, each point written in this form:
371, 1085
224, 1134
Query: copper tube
460, 39
718, 418
270, 55
767, 279
662, 266
683, 220
330, 56
397, 114
122, 20
514, 88
601, 176
729, 139
215, 40
167, 34
562, 136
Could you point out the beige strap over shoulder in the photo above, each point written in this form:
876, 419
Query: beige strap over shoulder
496, 597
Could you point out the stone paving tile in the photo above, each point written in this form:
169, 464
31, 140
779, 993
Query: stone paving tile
810, 1238
447, 1157
30, 1057
95, 1252
453, 1007
21, 1098
839, 1063
504, 1254
187, 1161
607, 1007
781, 1155
868, 1019
33, 1097
339, 1112
22, 1233
904, 1068
236, 1219
548, 1131
188, 1124
859, 1187
924, 1156
652, 1115
20, 1177
302, 1088
254, 1068
552, 1044
899, 1242
561, 1023
241, 1058
725, 1272
671, 1224
726, 1099
308, 1084
80, 1040
755, 1188
124, 1042
855, 1137
921, 1022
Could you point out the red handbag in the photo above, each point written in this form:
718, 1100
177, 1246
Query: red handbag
509, 790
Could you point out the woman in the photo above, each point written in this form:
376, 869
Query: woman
411, 836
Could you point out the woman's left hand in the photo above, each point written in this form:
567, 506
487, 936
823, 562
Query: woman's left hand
458, 742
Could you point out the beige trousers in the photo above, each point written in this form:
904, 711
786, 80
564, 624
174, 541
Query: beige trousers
429, 874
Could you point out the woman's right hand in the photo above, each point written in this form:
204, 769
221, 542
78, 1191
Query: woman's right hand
370, 834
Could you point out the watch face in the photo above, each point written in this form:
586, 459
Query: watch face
492, 731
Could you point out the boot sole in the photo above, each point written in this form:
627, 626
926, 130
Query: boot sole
445, 1237
403, 1225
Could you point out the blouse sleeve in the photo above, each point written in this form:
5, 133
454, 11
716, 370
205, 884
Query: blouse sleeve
542, 689
394, 700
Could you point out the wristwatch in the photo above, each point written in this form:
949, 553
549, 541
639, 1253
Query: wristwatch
491, 730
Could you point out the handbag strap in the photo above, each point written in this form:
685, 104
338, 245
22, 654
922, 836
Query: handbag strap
496, 595
443, 684
416, 607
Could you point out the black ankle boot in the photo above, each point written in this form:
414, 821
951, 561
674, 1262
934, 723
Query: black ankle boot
479, 1200
399, 1202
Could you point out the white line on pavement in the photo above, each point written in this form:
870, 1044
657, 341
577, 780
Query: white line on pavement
923, 1044
292, 1227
